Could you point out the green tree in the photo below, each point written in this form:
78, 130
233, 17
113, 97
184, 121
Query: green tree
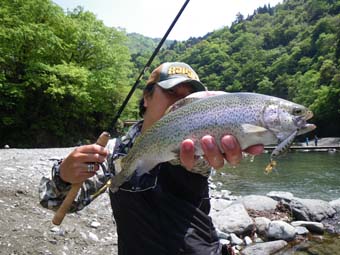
62, 75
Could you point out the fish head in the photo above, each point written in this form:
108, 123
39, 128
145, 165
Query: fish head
284, 117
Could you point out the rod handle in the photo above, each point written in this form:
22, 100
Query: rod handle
72, 194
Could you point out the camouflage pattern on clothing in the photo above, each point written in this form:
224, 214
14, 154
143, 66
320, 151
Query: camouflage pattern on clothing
53, 191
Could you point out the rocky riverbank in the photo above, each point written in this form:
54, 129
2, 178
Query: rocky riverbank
260, 225
252, 224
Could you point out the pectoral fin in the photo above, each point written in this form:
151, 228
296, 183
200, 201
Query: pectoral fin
252, 129
145, 165
257, 135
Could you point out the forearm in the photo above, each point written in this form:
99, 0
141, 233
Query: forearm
53, 191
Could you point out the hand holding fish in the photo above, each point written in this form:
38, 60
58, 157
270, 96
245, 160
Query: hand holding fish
230, 145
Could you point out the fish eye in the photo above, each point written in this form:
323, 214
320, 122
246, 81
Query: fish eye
298, 111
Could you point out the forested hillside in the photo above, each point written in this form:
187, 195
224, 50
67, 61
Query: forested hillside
291, 50
64, 75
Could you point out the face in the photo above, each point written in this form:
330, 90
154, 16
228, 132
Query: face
157, 103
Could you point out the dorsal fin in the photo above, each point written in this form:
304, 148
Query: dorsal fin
192, 98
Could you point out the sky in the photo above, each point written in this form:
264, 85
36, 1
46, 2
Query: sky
152, 18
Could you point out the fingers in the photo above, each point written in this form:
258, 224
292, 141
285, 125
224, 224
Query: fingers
92, 149
74, 168
90, 157
187, 154
255, 149
90, 153
232, 149
82, 172
211, 152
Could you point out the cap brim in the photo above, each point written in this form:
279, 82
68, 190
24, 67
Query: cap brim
168, 84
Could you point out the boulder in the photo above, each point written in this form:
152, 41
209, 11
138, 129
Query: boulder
335, 204
262, 225
258, 203
233, 219
311, 209
280, 230
281, 196
314, 227
267, 248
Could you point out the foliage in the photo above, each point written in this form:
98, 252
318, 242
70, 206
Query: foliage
62, 76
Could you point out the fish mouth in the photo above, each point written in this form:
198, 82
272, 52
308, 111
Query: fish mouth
306, 128
308, 115
303, 126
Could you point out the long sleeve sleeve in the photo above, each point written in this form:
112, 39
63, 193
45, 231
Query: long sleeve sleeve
52, 191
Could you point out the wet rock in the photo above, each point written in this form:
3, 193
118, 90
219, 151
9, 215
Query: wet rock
233, 219
335, 204
219, 204
258, 203
281, 196
222, 235
280, 230
301, 231
314, 227
311, 209
264, 248
262, 225
247, 240
235, 240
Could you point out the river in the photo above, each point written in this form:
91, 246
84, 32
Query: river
310, 174
314, 175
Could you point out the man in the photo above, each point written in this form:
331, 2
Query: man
166, 210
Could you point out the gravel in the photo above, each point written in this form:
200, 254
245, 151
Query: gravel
26, 227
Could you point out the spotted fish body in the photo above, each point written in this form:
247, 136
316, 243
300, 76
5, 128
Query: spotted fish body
251, 118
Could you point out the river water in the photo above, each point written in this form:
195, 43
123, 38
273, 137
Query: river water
310, 174
314, 175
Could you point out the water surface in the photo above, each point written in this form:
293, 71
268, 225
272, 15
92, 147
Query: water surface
305, 174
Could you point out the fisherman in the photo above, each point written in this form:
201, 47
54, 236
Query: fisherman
164, 211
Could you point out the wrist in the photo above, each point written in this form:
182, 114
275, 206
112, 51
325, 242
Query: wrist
60, 183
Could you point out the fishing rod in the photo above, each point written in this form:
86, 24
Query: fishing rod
147, 66
105, 136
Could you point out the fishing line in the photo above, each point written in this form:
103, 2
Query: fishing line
147, 66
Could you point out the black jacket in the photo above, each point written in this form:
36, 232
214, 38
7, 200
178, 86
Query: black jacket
165, 212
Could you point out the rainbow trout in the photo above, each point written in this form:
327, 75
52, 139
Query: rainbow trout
252, 118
